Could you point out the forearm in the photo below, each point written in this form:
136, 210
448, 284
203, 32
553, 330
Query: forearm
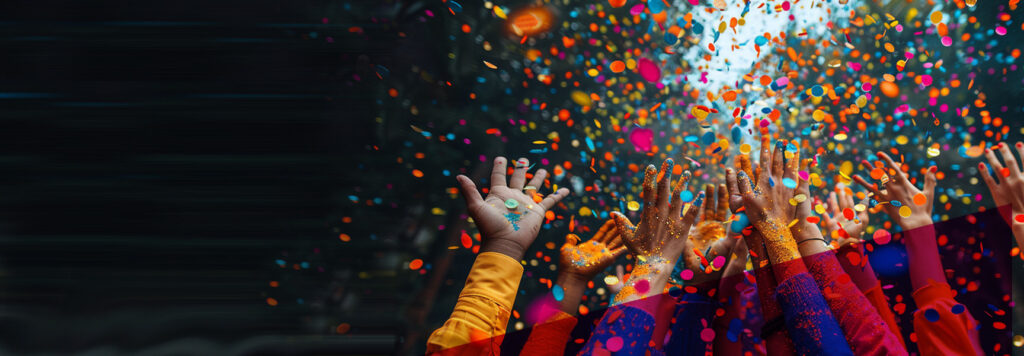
485, 303
809, 239
855, 263
923, 255
782, 249
572, 286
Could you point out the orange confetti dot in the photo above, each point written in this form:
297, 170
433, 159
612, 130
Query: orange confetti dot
415, 264
343, 328
890, 89
617, 66
920, 199
272, 302
417, 173
345, 237
274, 284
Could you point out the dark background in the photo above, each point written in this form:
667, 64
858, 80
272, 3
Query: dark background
162, 163
158, 157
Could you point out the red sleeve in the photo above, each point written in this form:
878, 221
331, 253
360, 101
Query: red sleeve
550, 336
943, 326
863, 328
877, 299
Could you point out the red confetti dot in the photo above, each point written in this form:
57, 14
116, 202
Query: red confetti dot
642, 286
707, 335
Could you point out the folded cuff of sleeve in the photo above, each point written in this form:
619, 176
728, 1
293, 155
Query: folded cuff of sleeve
494, 276
932, 292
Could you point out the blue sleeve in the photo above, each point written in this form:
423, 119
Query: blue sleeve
811, 326
624, 330
694, 313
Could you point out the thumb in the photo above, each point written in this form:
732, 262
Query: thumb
469, 191
930, 181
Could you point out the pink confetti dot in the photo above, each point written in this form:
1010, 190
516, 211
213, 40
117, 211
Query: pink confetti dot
642, 286
947, 41
926, 80
718, 262
614, 344
686, 274
1001, 30
708, 335
649, 70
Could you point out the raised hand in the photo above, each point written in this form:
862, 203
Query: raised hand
1009, 189
906, 205
771, 204
511, 215
661, 232
710, 249
845, 221
660, 237
585, 260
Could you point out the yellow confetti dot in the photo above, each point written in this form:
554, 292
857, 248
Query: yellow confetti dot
611, 280
633, 205
841, 136
581, 98
905, 211
936, 17
584, 211
1018, 340
499, 12
818, 115
745, 148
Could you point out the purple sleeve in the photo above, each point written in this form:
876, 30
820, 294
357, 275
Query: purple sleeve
623, 330
810, 323
865, 330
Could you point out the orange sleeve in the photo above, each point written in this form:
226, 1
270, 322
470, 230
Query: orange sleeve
483, 309
550, 337
943, 326
877, 299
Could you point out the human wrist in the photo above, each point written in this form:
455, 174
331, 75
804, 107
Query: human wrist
572, 280
504, 246
778, 241
915, 221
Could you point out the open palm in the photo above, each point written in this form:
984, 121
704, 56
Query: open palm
511, 215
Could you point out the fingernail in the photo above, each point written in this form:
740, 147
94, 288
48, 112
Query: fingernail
935, 169
700, 199
1019, 145
981, 166
670, 162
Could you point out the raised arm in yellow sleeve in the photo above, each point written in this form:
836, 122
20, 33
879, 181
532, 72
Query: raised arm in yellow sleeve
482, 312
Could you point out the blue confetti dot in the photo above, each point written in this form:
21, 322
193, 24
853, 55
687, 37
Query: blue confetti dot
741, 222
789, 183
957, 309
931, 314
558, 292
686, 196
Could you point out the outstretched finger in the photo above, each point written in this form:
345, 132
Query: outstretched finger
870, 187
602, 234
571, 240
723, 203
676, 206
553, 198
498, 172
691, 214
994, 163
616, 252
987, 177
735, 198
615, 241
899, 176
664, 185
538, 180
650, 181
833, 204
519, 174
1020, 152
792, 164
778, 160
469, 191
625, 227
1008, 159
764, 161
709, 208
930, 181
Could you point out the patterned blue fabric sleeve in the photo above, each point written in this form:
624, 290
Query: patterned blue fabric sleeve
623, 330
811, 326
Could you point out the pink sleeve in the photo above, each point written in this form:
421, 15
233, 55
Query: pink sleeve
943, 326
862, 326
551, 336
878, 300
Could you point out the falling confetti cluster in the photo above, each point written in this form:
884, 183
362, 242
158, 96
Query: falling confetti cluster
595, 91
